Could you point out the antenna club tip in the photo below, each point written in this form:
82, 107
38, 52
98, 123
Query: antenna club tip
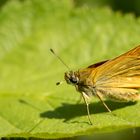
51, 50
59, 83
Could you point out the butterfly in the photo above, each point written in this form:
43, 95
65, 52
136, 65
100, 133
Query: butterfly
116, 79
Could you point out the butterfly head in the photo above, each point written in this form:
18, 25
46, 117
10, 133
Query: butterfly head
72, 77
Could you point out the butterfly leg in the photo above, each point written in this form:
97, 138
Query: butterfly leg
103, 103
85, 97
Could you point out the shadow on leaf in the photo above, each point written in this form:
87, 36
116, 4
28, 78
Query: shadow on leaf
68, 111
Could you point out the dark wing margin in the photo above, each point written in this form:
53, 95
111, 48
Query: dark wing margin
97, 64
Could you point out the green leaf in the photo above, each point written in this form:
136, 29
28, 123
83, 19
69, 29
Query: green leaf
31, 105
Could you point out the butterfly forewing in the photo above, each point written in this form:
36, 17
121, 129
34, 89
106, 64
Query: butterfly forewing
123, 71
119, 78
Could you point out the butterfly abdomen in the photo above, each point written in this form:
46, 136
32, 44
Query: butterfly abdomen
120, 94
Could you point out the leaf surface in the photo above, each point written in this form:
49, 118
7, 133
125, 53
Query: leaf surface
31, 105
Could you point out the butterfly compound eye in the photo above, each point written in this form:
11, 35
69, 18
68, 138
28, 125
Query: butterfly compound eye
74, 80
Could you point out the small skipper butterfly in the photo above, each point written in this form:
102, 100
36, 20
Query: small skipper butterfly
116, 79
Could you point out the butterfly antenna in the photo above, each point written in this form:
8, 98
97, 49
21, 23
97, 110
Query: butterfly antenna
60, 59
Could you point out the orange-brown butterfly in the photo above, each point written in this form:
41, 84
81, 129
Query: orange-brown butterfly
117, 79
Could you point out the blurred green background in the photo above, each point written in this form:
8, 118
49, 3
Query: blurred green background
125, 6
